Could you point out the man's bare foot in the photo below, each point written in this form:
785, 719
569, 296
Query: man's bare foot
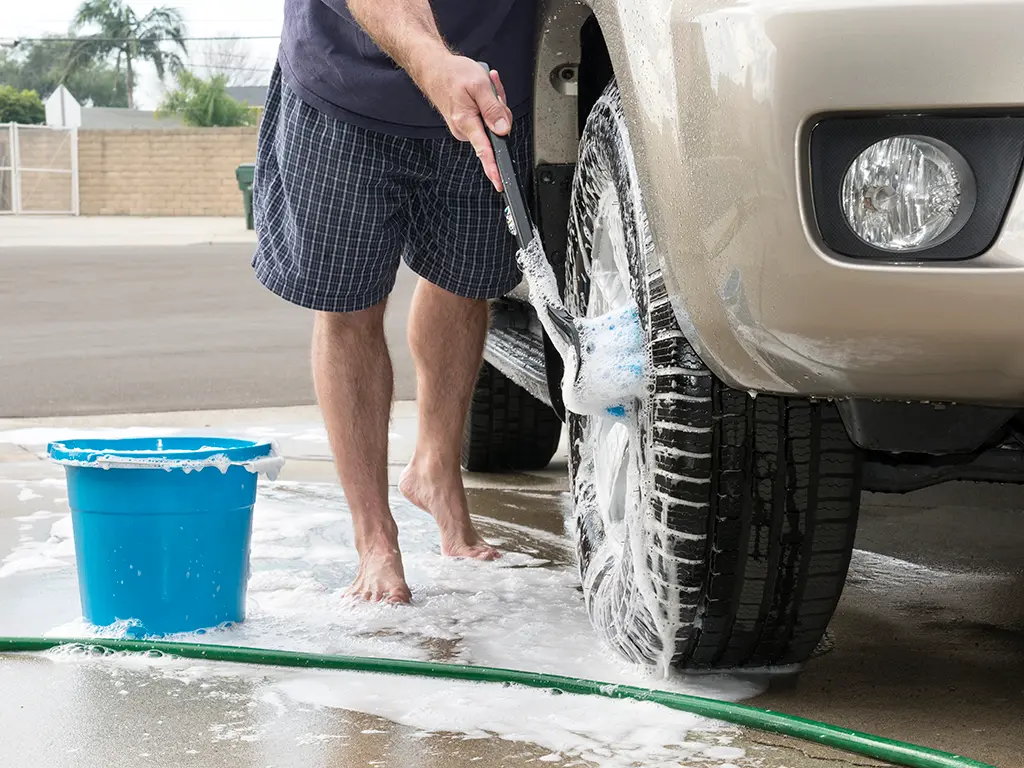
442, 495
381, 577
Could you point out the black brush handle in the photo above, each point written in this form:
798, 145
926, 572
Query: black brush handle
560, 317
506, 170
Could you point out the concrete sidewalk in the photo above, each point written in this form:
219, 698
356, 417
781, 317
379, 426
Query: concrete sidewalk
86, 231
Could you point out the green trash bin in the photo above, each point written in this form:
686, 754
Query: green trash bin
244, 174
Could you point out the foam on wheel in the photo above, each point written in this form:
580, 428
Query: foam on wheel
714, 529
507, 428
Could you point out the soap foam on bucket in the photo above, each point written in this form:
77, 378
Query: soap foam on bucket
185, 453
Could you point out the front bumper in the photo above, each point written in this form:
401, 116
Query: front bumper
721, 137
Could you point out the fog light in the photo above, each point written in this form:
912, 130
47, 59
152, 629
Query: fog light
908, 193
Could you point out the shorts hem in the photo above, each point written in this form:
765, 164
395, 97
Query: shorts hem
302, 297
468, 292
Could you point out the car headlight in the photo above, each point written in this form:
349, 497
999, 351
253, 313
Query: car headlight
906, 193
913, 188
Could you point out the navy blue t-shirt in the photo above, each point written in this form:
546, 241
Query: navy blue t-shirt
334, 66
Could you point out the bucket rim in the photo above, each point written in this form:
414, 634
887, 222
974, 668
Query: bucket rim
160, 452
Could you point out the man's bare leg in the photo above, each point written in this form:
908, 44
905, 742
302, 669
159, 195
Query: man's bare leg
446, 335
353, 380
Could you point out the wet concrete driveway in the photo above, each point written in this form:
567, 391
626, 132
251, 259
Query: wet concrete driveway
74, 709
929, 636
926, 647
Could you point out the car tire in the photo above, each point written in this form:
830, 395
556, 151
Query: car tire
719, 533
507, 428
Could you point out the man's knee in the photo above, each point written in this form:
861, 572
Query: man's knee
367, 322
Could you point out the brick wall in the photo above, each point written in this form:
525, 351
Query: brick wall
166, 172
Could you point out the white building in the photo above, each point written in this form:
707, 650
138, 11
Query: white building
64, 111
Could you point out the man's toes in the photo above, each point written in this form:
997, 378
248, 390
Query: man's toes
474, 552
398, 596
359, 592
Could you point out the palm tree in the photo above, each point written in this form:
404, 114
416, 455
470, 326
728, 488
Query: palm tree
121, 33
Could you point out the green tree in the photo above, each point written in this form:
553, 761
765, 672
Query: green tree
127, 38
205, 103
21, 106
40, 66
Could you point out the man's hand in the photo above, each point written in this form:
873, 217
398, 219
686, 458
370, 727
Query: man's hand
464, 93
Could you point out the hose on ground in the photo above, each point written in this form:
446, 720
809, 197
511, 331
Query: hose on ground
877, 747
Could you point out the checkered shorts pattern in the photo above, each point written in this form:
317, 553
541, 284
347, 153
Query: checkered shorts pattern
336, 206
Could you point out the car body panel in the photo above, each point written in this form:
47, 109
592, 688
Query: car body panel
719, 97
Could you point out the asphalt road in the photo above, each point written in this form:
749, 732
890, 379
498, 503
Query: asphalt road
140, 329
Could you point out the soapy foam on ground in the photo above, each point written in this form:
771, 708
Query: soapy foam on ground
607, 732
516, 612
521, 612
39, 514
56, 551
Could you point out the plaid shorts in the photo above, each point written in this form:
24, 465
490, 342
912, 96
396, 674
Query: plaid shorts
337, 206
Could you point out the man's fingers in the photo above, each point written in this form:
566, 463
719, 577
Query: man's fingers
496, 80
482, 146
492, 109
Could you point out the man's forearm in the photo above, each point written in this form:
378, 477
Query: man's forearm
404, 29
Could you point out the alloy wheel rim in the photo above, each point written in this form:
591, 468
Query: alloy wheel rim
613, 442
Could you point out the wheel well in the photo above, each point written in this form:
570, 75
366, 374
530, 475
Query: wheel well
595, 69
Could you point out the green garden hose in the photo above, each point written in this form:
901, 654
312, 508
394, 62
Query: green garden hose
896, 752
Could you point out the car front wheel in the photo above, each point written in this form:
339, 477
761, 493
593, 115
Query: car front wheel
714, 529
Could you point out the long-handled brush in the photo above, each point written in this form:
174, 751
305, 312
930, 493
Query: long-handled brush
605, 356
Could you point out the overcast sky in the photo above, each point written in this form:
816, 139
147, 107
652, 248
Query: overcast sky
204, 18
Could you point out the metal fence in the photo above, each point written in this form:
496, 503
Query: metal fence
38, 169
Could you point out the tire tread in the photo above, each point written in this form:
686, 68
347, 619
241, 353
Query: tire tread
507, 428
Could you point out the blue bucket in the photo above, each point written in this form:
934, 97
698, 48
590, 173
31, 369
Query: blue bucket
162, 528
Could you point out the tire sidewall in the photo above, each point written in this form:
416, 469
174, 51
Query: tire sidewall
606, 163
